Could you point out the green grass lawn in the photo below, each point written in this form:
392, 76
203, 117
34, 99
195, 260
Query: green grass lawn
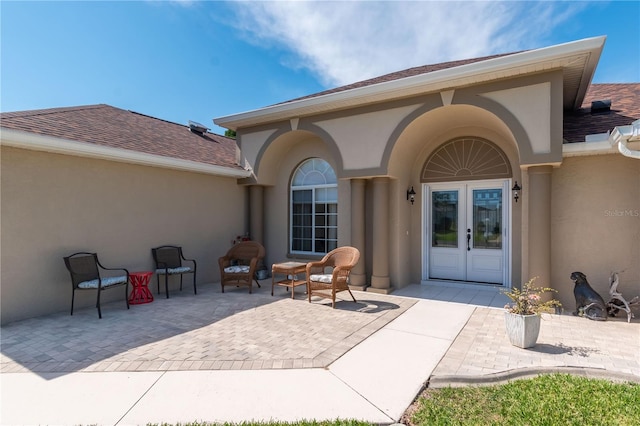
302, 423
556, 399
549, 400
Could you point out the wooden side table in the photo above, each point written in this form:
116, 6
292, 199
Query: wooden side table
289, 269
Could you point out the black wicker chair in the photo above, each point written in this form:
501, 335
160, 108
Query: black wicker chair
168, 261
85, 275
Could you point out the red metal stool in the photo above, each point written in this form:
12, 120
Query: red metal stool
140, 292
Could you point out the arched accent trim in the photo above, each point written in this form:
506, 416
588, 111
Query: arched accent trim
466, 158
283, 129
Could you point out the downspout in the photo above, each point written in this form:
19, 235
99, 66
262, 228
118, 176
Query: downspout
622, 135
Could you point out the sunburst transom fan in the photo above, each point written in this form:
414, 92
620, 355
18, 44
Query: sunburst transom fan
466, 158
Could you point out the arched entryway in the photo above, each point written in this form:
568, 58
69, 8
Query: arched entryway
467, 221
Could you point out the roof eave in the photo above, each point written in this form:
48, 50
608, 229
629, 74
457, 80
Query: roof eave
478, 72
616, 142
32, 141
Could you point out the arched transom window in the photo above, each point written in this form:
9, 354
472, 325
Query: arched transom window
314, 208
466, 158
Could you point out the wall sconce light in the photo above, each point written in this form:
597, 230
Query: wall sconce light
411, 195
516, 194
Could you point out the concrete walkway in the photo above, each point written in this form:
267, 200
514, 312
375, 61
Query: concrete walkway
237, 357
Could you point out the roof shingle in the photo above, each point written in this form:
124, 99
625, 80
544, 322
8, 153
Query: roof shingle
625, 109
410, 72
117, 128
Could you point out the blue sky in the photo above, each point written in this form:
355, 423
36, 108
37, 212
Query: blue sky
191, 60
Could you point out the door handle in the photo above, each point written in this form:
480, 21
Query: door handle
468, 239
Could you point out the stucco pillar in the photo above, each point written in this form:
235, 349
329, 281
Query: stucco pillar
380, 282
256, 213
358, 276
539, 200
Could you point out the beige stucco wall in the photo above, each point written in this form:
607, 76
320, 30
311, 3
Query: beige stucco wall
595, 224
53, 205
363, 139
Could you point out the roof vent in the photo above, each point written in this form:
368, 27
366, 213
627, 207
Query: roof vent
601, 106
197, 128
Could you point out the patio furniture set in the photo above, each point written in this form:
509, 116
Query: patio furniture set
324, 278
318, 280
85, 270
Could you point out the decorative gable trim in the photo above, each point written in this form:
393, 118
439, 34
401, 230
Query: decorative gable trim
580, 57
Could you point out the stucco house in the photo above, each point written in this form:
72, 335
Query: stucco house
103, 179
418, 169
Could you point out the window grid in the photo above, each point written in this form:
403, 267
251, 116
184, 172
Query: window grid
314, 208
314, 225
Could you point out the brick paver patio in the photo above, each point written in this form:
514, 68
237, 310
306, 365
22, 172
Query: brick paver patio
207, 331
239, 331
566, 342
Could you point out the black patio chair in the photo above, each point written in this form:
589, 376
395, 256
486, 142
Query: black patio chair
168, 261
85, 275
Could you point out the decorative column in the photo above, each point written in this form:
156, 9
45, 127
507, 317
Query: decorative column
358, 276
539, 200
380, 282
256, 213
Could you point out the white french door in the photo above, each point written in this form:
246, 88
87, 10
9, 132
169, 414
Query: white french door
467, 227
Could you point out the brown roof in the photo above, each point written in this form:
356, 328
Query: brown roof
625, 109
423, 69
117, 128
113, 127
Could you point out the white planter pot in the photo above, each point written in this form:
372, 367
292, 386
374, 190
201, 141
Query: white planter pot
522, 330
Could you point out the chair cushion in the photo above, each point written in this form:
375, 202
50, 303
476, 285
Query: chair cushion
322, 278
106, 282
179, 270
237, 269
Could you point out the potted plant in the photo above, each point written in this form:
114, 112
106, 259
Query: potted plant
522, 316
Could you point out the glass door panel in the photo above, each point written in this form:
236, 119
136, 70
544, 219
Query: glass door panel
485, 255
444, 214
487, 219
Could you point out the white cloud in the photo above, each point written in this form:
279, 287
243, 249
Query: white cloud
348, 41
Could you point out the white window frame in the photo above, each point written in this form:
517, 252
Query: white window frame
333, 183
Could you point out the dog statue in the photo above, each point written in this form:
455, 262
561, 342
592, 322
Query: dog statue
588, 303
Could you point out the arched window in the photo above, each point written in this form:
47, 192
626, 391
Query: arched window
466, 158
314, 208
